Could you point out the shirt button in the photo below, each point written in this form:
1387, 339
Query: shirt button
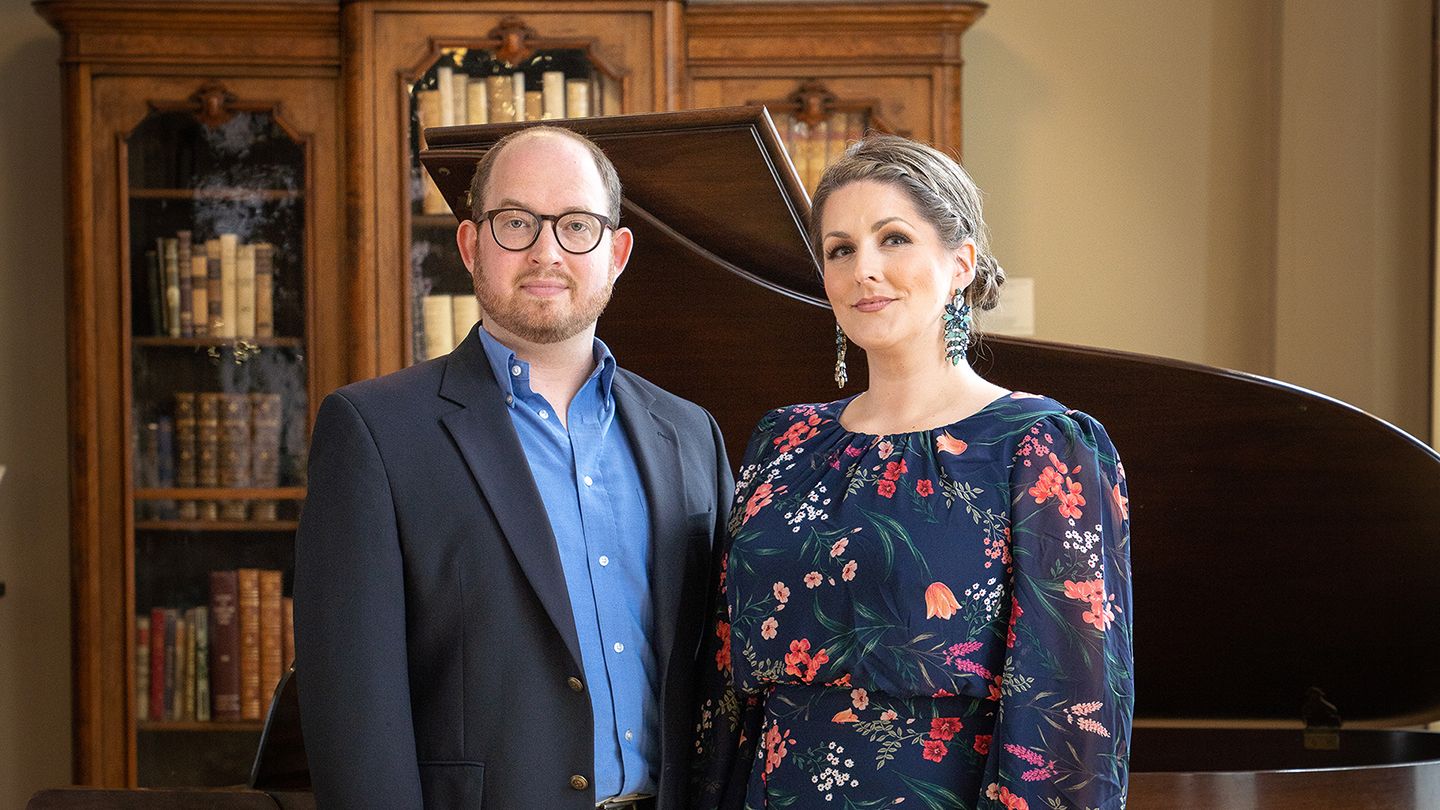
619, 648
604, 560
576, 685
629, 735
509, 399
514, 371
579, 782
589, 482
544, 414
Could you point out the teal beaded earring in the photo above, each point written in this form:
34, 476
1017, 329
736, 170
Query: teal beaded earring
958, 324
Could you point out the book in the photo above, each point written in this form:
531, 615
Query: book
264, 451
445, 93
245, 291
185, 653
477, 102
186, 435
234, 451
207, 450
157, 663
552, 83
202, 663
577, 98
142, 667
171, 702
183, 269
248, 599
147, 469
155, 284
171, 266
214, 288
429, 111
272, 625
517, 89
199, 293
264, 290
287, 633
229, 285
534, 105
224, 638
439, 321
501, 94
465, 311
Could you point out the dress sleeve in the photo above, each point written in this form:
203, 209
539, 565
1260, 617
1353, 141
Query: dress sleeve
1066, 694
728, 726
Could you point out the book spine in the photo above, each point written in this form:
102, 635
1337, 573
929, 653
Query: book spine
199, 294
185, 444
465, 310
157, 664
202, 663
234, 451
172, 287
264, 450
182, 268
428, 108
172, 669
287, 633
445, 96
502, 98
517, 90
248, 587
577, 98
272, 654
207, 450
224, 645
534, 105
155, 286
477, 102
553, 84
264, 290
214, 288
187, 669
229, 285
439, 320
245, 291
142, 667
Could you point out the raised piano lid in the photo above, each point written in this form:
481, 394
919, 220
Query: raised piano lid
1283, 539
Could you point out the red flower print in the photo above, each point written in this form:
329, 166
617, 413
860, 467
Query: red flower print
1071, 499
759, 499
782, 593
995, 684
775, 750
945, 443
894, 470
923, 487
768, 628
722, 655
813, 579
839, 547
940, 601
888, 715
1122, 502
848, 572
935, 750
1010, 801
982, 743
1015, 612
1092, 591
886, 488
845, 716
944, 728
801, 664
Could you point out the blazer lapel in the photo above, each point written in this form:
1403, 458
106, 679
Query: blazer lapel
657, 452
486, 437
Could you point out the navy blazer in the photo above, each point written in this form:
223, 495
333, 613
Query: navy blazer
436, 654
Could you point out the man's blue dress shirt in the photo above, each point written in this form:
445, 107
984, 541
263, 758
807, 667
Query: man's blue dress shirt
589, 481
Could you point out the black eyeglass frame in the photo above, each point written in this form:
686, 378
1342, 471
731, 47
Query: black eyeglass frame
554, 220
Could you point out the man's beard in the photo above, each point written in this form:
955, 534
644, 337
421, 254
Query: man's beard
533, 321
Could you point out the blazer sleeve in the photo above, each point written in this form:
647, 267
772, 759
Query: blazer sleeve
350, 639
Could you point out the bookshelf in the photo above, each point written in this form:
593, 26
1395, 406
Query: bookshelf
296, 124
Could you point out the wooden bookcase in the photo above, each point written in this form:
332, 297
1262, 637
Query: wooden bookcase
315, 105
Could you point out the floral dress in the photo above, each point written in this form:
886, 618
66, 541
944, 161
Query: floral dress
938, 618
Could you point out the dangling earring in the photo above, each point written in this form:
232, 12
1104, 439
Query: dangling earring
957, 328
840, 376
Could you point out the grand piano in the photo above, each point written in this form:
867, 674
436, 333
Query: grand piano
1286, 545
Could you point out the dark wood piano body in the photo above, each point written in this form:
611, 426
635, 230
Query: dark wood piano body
1283, 540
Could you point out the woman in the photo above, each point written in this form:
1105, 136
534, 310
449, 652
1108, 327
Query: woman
927, 595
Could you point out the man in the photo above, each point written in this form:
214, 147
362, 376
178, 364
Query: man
501, 567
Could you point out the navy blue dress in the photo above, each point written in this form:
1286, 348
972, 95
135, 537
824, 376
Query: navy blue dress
939, 619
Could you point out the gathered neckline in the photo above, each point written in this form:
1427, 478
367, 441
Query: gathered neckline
840, 405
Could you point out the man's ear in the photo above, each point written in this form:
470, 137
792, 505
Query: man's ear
621, 244
465, 239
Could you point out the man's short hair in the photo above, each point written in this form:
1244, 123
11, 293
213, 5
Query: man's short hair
608, 176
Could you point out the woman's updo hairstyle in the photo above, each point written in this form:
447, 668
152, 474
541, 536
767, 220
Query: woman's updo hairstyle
938, 187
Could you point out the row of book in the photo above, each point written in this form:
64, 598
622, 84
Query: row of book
212, 440
445, 321
812, 147
218, 288
461, 99
219, 661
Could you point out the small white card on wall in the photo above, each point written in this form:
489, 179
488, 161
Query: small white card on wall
1015, 316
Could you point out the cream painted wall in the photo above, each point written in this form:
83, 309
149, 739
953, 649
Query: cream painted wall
1234, 182
34, 541
1237, 183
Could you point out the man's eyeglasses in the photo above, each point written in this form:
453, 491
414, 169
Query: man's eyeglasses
576, 232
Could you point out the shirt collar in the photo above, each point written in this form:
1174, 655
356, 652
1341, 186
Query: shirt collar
503, 364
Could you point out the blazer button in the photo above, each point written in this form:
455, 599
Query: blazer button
579, 782
576, 685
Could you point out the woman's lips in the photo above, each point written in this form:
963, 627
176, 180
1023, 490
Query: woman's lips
872, 304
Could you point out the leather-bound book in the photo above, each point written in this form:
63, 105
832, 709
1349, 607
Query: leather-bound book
157, 663
272, 625
501, 94
264, 290
234, 451
155, 284
427, 103
224, 646
577, 98
202, 663
264, 451
229, 281
173, 630
248, 598
185, 651
186, 438
534, 105
245, 291
182, 269
142, 667
199, 292
552, 83
214, 288
438, 315
172, 286
207, 450
477, 102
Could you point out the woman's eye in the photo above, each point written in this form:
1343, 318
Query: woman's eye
838, 252
895, 239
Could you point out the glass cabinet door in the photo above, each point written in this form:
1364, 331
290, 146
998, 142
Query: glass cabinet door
216, 197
